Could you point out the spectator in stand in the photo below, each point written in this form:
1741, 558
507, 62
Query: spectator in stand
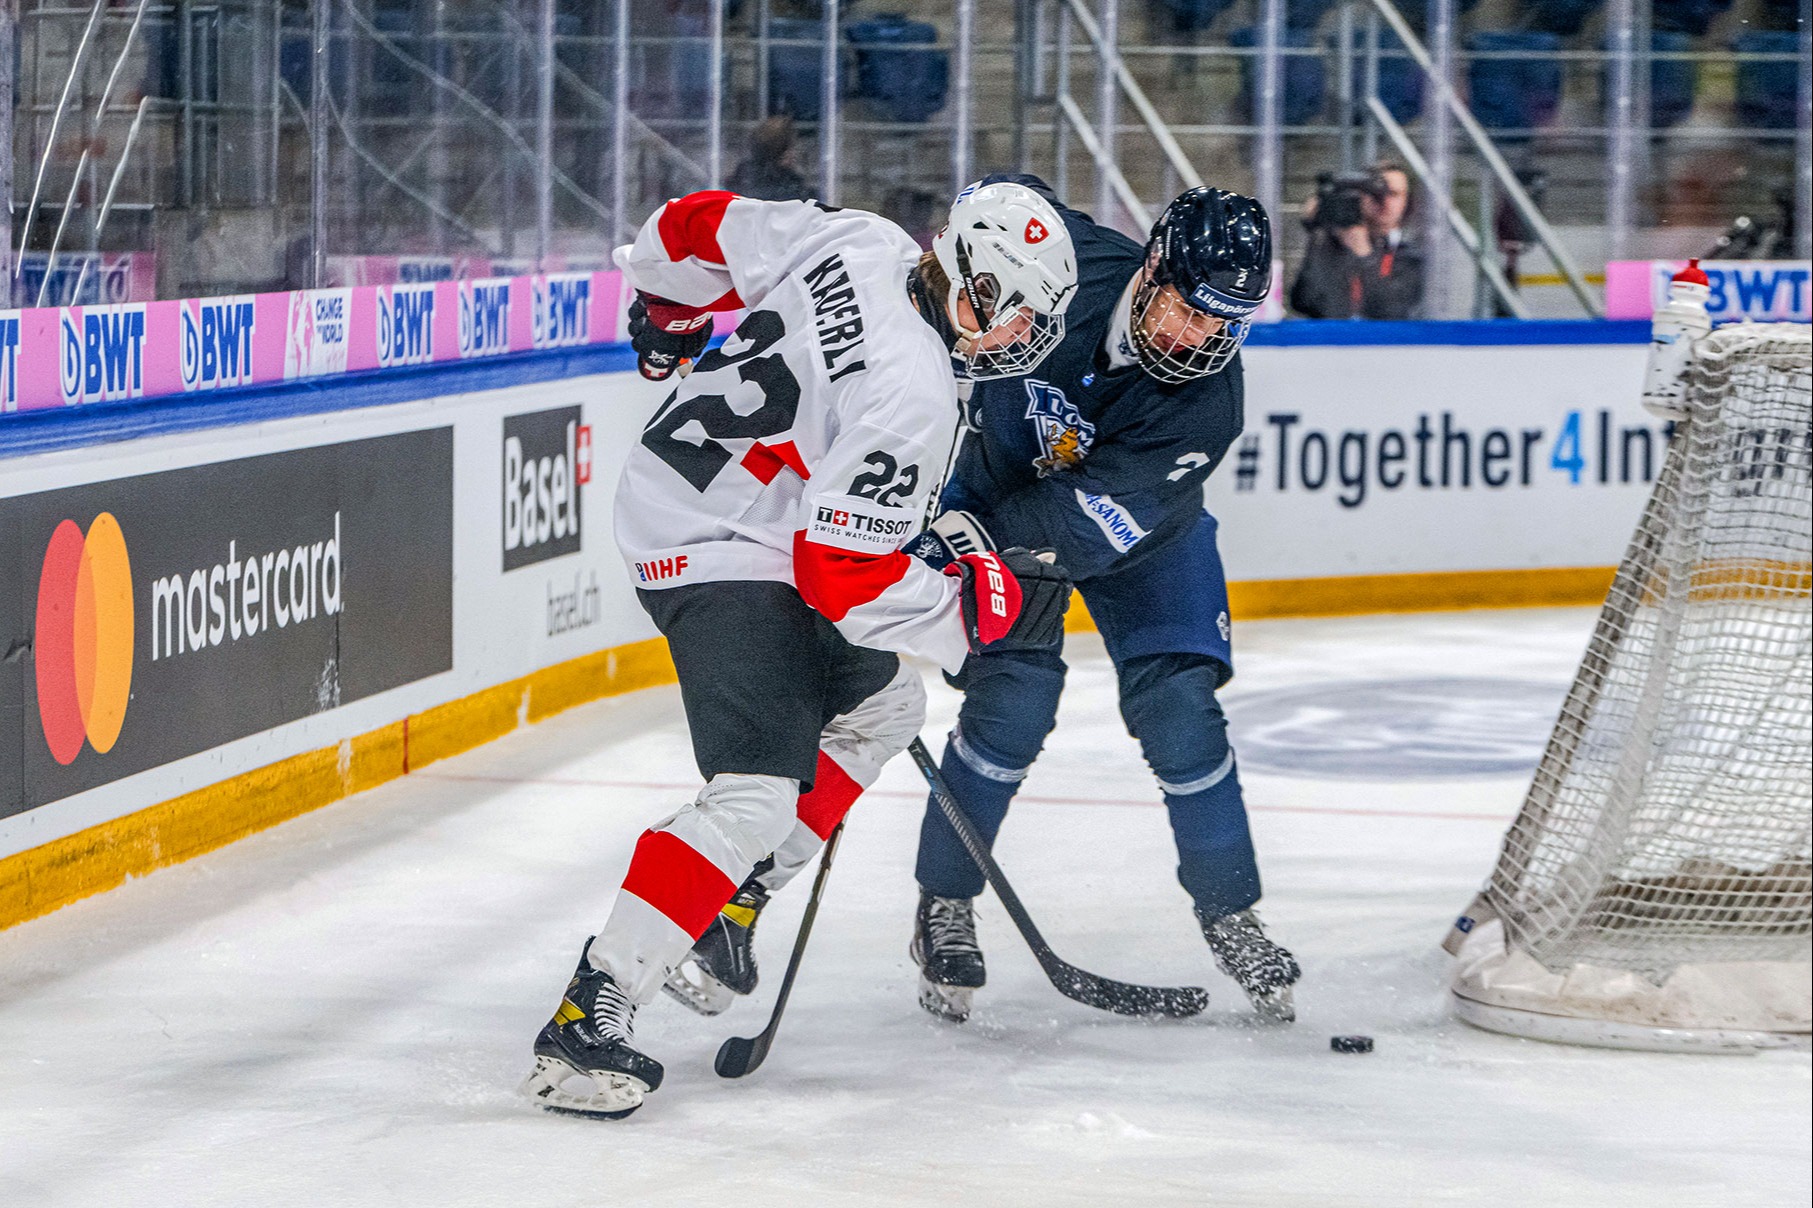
768, 173
1359, 264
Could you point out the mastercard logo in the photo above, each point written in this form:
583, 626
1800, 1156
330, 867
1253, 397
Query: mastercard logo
84, 637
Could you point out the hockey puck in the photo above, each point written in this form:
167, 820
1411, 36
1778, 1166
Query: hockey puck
1350, 1044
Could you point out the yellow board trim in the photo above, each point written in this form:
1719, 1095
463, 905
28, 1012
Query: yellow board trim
41, 880
1441, 591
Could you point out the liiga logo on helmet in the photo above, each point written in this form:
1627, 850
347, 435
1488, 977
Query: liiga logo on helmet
84, 635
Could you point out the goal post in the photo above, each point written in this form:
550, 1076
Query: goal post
1656, 889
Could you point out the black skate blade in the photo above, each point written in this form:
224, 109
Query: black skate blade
741, 1055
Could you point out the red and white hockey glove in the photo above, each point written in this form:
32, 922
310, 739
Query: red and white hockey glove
1012, 599
666, 335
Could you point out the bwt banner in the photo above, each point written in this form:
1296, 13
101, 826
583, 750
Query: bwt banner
70, 355
86, 278
158, 616
1760, 290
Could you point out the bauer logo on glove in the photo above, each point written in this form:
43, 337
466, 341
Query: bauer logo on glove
666, 335
1012, 600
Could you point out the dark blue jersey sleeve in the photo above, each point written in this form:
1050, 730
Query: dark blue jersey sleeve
1139, 487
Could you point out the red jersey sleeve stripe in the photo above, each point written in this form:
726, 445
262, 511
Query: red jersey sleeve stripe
669, 875
689, 225
833, 581
832, 795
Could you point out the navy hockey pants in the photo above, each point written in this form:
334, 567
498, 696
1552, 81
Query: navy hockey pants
1175, 598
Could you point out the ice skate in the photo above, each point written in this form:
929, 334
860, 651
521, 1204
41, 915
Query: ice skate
584, 1062
1265, 970
721, 966
949, 959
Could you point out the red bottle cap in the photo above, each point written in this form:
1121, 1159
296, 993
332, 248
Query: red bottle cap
1693, 274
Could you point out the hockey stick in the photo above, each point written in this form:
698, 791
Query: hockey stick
741, 1055
1123, 998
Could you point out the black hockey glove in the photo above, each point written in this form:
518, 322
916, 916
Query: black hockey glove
1012, 600
950, 536
666, 335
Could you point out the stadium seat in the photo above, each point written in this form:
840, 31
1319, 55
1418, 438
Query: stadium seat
1192, 16
1564, 17
1400, 79
907, 85
1514, 94
1305, 76
1766, 91
1671, 81
1687, 16
795, 72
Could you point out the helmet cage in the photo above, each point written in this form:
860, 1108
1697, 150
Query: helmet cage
1154, 307
1012, 337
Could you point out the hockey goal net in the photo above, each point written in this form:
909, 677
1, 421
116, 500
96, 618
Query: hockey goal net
1655, 890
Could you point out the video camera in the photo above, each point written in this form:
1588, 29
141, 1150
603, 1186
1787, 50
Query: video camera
1338, 198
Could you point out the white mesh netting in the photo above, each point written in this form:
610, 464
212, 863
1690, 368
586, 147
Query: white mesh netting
1668, 824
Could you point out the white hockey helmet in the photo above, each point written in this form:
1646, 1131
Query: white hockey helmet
1008, 254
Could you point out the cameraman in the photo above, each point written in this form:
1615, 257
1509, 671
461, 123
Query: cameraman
1359, 265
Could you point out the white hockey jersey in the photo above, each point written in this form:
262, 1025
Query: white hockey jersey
805, 450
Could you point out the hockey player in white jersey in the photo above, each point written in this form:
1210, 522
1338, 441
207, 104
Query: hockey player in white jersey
763, 515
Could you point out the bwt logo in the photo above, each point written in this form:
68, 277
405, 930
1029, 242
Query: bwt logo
82, 646
547, 458
103, 353
562, 310
405, 325
216, 340
484, 318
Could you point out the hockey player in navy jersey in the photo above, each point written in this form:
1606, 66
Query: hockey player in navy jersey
1100, 454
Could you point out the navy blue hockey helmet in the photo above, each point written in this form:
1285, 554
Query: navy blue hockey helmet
1213, 249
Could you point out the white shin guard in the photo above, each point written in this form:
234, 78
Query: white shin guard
734, 822
860, 742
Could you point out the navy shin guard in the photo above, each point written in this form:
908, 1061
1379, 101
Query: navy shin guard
1169, 704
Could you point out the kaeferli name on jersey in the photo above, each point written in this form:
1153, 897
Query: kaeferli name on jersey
547, 458
836, 317
852, 523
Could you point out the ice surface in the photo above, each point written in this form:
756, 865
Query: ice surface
337, 1011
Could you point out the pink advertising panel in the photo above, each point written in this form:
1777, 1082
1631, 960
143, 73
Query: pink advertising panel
70, 355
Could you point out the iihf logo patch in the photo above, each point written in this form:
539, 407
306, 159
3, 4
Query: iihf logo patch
1064, 435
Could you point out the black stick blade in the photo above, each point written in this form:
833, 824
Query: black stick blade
741, 1055
1125, 998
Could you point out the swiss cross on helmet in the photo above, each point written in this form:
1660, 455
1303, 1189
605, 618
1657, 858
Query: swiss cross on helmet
1009, 255
1208, 268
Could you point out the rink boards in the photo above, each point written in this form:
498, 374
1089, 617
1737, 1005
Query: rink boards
209, 630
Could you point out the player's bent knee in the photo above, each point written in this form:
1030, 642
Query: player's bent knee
1169, 704
881, 727
1010, 706
752, 815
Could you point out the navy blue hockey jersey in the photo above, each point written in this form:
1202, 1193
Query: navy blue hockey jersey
1102, 465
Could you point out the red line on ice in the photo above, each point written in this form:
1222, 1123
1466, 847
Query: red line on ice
671, 787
